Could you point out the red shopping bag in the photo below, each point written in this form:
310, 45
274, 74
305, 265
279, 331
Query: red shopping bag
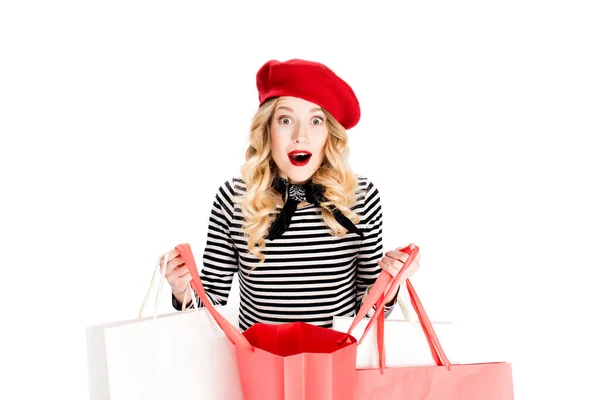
294, 361
446, 381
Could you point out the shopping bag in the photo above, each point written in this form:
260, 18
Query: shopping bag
179, 355
293, 361
445, 381
405, 345
486, 381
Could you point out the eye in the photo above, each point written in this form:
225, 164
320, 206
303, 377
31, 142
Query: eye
317, 121
285, 120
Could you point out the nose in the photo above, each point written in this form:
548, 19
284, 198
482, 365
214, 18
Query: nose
300, 134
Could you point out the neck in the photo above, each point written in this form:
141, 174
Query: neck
293, 182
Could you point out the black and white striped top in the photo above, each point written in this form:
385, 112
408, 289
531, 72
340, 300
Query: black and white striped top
308, 275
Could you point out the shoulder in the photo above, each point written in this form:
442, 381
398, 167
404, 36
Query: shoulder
232, 187
227, 194
368, 202
366, 188
236, 185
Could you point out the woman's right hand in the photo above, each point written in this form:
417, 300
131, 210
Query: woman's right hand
176, 273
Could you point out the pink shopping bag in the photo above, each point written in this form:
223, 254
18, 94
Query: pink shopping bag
446, 381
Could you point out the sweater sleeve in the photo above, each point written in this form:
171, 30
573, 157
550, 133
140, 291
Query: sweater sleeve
220, 258
371, 248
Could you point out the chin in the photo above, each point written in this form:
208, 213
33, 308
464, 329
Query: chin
295, 175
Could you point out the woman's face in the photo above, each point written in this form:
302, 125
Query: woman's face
298, 126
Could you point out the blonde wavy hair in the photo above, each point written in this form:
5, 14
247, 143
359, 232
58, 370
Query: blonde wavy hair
259, 204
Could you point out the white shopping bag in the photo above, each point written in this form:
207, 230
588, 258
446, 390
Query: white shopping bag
183, 355
404, 341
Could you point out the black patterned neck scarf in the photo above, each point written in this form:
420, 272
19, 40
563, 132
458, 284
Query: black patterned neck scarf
297, 193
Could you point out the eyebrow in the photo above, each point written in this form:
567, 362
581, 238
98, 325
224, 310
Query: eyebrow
289, 109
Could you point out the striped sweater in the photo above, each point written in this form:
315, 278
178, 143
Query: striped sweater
308, 275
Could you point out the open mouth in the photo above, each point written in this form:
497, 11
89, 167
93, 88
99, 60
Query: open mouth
299, 158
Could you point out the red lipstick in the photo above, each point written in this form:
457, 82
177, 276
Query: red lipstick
299, 157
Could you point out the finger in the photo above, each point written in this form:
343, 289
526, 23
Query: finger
181, 271
393, 267
390, 269
410, 271
176, 272
173, 271
169, 269
175, 263
397, 264
383, 266
398, 255
171, 255
392, 262
185, 278
403, 256
179, 284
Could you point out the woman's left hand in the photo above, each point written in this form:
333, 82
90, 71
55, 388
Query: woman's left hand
392, 262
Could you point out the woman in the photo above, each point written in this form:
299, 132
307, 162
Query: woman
303, 232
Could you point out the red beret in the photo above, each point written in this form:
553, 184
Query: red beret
310, 81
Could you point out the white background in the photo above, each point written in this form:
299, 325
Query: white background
120, 119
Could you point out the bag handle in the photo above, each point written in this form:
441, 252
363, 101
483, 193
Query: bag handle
147, 296
160, 269
377, 293
434, 343
376, 297
437, 352
193, 298
232, 333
